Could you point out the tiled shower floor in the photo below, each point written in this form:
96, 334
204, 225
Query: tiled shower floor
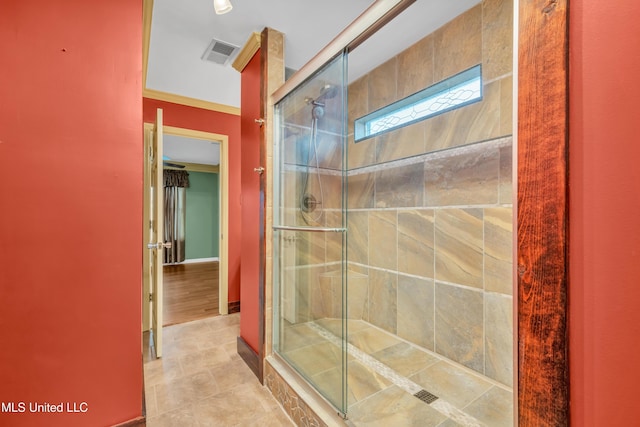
384, 371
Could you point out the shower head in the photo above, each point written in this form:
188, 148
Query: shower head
328, 91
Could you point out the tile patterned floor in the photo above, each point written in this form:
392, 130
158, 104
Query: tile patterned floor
383, 373
201, 380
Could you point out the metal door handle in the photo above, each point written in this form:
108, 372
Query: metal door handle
259, 170
159, 245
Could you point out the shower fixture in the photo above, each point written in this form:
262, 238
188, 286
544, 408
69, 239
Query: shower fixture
308, 201
328, 91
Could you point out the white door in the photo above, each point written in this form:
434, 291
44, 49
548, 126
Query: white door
156, 235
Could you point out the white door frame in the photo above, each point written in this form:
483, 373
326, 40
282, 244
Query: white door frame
223, 245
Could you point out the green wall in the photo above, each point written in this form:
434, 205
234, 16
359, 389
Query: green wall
202, 216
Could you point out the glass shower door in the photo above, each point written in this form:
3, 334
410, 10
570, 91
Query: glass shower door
309, 231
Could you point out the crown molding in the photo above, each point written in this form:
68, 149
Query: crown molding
147, 14
248, 50
191, 102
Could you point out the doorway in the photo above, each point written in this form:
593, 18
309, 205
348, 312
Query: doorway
216, 265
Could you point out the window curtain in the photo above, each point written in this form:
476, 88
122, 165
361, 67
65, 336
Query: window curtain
175, 182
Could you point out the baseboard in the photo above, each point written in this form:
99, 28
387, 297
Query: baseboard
250, 357
136, 422
199, 260
234, 307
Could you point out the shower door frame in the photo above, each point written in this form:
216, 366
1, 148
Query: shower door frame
282, 252
541, 241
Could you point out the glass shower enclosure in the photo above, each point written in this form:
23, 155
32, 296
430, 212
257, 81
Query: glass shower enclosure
310, 237
393, 222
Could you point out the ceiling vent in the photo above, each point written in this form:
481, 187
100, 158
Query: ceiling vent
219, 52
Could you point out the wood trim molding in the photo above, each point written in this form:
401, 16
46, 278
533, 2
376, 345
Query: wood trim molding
197, 134
234, 307
136, 422
147, 15
250, 357
191, 102
223, 295
248, 50
542, 214
195, 167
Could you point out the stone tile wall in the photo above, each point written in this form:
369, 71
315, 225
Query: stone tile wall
429, 205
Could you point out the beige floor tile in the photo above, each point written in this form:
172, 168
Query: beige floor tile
233, 374
177, 348
405, 359
296, 336
180, 417
184, 391
203, 359
201, 380
151, 406
219, 321
316, 358
494, 408
362, 382
230, 407
184, 331
451, 383
371, 340
231, 348
394, 407
335, 325
273, 419
160, 371
224, 335
449, 423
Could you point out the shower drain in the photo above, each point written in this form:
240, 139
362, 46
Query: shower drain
425, 396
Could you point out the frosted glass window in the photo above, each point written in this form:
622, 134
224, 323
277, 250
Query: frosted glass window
454, 92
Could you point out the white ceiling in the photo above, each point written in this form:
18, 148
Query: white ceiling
181, 30
190, 150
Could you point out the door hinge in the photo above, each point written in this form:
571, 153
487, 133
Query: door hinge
151, 297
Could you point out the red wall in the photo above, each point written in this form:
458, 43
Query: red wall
251, 204
71, 210
183, 116
604, 206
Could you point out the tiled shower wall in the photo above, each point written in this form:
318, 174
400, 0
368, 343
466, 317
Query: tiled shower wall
430, 204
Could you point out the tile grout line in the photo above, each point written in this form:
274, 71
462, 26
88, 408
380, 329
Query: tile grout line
402, 382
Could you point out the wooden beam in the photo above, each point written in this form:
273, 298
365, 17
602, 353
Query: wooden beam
542, 214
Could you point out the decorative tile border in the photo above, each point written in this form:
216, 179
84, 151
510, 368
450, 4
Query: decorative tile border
292, 404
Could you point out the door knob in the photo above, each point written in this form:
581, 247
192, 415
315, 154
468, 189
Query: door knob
259, 170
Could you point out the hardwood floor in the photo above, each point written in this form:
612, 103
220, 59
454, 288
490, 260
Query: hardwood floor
190, 292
